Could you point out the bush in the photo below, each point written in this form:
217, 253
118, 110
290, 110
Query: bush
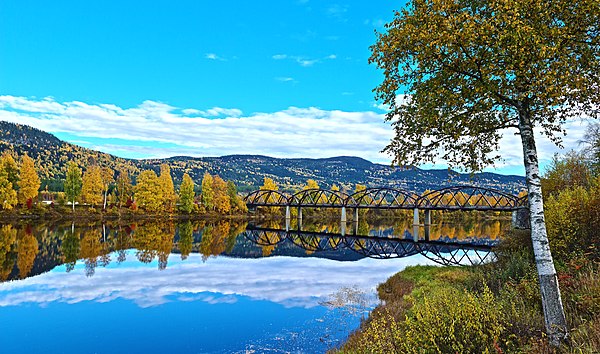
447, 320
573, 221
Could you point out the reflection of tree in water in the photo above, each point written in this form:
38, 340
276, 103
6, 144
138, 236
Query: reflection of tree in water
91, 248
8, 250
27, 248
70, 249
213, 239
186, 239
152, 240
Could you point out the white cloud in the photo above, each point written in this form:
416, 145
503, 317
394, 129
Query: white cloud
285, 79
293, 132
279, 56
292, 282
213, 56
303, 60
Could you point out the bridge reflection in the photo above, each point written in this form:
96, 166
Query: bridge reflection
466, 252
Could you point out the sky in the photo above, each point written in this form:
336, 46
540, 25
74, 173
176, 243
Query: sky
164, 78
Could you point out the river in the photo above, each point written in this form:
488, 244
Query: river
207, 287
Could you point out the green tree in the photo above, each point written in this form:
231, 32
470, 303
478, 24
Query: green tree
91, 189
29, 182
73, 183
168, 189
207, 192
186, 194
186, 239
458, 73
148, 191
236, 202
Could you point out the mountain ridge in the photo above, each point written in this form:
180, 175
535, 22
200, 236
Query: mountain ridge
247, 171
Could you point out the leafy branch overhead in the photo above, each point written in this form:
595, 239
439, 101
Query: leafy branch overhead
468, 67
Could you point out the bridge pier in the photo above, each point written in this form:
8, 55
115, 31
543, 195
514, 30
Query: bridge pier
299, 213
343, 228
416, 225
520, 219
288, 214
343, 214
355, 214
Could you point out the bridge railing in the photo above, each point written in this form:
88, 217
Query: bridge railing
450, 198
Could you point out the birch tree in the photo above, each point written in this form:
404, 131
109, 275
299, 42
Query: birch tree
459, 74
73, 183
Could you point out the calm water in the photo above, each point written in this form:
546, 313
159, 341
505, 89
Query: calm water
205, 287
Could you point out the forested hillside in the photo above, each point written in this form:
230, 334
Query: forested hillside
247, 171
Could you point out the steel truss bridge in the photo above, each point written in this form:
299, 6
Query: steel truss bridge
445, 253
457, 198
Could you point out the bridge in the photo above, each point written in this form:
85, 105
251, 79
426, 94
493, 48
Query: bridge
445, 253
457, 198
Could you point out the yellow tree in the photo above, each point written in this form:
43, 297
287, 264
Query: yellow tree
168, 189
269, 184
29, 183
91, 190
207, 192
221, 198
8, 196
9, 165
148, 191
27, 248
108, 177
124, 186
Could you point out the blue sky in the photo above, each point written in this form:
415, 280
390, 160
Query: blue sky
163, 78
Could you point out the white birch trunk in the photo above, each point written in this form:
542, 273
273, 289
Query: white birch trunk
105, 195
554, 314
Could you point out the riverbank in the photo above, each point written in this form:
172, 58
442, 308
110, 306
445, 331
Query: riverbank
59, 213
494, 308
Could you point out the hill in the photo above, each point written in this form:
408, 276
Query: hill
247, 171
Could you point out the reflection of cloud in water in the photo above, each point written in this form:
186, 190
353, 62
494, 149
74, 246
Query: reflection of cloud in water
292, 282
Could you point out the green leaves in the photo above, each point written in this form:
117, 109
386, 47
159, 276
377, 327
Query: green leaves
470, 66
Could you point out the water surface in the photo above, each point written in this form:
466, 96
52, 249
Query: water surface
202, 287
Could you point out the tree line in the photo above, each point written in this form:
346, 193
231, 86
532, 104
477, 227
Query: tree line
101, 186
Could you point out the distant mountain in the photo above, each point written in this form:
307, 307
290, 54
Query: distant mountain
248, 171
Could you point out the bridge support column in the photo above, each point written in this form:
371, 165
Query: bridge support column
343, 228
288, 215
299, 213
355, 214
416, 225
520, 219
343, 214
427, 217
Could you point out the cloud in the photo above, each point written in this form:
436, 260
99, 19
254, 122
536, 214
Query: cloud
292, 282
303, 60
213, 56
293, 132
285, 79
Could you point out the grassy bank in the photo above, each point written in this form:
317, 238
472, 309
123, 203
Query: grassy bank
497, 308
494, 308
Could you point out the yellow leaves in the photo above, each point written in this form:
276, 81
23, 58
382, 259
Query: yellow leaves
91, 191
29, 183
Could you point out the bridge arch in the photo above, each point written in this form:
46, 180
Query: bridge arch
468, 198
318, 198
383, 198
267, 197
